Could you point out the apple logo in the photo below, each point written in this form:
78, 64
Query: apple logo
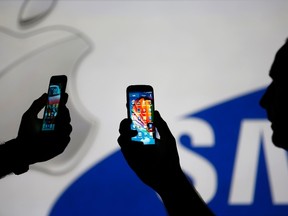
28, 60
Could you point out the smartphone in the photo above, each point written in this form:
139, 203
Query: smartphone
56, 89
140, 108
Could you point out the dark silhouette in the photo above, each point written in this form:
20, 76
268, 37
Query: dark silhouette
274, 99
158, 166
33, 145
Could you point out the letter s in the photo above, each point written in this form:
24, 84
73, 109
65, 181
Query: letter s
198, 134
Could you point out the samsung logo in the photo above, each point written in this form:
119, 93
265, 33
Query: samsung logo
225, 150
242, 172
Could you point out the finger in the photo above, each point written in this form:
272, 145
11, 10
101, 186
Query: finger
161, 125
124, 125
38, 104
127, 144
122, 141
60, 145
63, 125
63, 115
64, 129
64, 99
125, 132
62, 105
125, 128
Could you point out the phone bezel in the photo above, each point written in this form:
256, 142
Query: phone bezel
141, 88
56, 79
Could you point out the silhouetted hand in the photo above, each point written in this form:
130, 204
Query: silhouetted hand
34, 145
152, 163
158, 166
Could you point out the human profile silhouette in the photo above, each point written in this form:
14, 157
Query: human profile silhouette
158, 166
32, 145
275, 96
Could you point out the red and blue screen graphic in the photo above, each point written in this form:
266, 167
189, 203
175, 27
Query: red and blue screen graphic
141, 106
54, 94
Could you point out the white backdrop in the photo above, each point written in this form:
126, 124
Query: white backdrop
194, 54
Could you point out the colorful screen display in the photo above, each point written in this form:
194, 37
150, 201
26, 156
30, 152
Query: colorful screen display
51, 111
142, 114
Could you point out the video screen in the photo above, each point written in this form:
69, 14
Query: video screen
142, 115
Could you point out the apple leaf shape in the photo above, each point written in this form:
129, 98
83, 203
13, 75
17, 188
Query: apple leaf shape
33, 11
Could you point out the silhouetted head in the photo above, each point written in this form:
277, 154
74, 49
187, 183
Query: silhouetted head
274, 101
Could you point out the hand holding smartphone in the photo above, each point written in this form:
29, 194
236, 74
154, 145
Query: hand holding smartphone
56, 89
140, 108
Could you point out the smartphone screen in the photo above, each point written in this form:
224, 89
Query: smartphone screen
141, 111
56, 89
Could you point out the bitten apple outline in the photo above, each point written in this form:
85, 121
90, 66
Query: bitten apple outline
39, 53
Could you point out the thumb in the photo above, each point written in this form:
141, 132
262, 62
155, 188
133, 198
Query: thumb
64, 98
38, 104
